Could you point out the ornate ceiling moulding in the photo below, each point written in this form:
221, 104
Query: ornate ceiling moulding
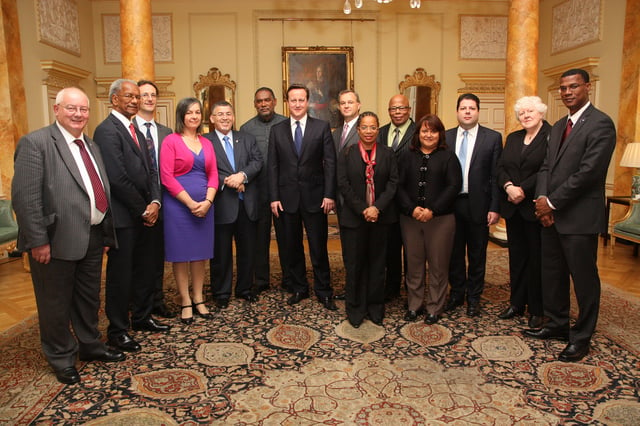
59, 75
483, 83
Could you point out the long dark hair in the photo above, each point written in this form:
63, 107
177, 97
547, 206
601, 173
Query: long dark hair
181, 111
434, 123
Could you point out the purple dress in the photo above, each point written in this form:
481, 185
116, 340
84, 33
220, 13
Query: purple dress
188, 237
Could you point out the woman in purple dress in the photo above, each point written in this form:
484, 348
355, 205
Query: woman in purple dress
189, 176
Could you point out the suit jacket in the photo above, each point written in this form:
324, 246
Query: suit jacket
573, 176
484, 193
521, 168
163, 132
404, 144
351, 139
134, 183
247, 159
352, 186
302, 182
49, 196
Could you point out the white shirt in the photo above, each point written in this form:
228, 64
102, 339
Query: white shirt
471, 143
96, 215
303, 125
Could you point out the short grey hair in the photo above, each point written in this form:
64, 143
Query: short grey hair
116, 86
534, 101
60, 94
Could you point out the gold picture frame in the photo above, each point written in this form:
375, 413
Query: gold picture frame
325, 71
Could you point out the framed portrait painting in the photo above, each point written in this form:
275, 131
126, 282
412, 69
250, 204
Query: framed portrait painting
325, 71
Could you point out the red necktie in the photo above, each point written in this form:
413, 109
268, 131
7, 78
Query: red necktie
567, 130
133, 134
98, 189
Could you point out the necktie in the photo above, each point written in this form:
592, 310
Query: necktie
396, 139
228, 148
98, 189
297, 140
567, 130
462, 154
150, 146
133, 134
343, 137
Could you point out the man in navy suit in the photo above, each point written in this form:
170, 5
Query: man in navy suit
478, 149
236, 206
302, 188
135, 192
570, 205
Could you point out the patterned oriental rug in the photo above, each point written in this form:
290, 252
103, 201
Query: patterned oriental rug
271, 364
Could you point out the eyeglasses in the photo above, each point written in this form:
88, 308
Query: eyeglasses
129, 96
570, 88
149, 95
73, 108
399, 108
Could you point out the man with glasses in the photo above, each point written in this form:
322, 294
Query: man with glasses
154, 133
570, 205
397, 134
135, 193
61, 197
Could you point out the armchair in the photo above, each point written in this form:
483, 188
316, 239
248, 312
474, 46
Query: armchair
8, 227
629, 227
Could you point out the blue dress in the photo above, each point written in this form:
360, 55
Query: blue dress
187, 237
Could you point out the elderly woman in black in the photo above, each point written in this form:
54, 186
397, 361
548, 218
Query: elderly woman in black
518, 166
430, 180
367, 179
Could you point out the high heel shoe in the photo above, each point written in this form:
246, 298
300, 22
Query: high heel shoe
189, 320
206, 315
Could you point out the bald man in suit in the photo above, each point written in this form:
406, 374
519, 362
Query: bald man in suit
65, 224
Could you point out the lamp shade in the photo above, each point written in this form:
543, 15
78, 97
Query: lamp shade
631, 156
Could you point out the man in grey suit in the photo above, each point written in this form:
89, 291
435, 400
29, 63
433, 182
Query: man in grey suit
154, 133
61, 197
264, 100
397, 134
478, 149
236, 206
571, 207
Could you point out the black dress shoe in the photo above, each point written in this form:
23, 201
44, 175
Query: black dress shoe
251, 298
163, 311
411, 316
205, 315
110, 355
68, 375
473, 309
150, 324
545, 333
573, 352
452, 304
339, 296
535, 321
328, 303
124, 342
259, 288
510, 312
355, 324
297, 297
377, 322
222, 303
431, 319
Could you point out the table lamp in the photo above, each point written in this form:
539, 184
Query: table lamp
631, 158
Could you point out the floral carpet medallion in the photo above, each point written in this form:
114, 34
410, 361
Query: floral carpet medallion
268, 363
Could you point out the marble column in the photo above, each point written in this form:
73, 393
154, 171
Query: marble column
522, 57
136, 37
13, 110
628, 125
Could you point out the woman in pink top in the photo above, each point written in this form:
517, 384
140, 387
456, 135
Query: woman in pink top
189, 176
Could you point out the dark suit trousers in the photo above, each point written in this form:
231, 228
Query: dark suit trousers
575, 256
156, 235
130, 279
364, 259
262, 246
243, 231
69, 291
524, 264
470, 241
317, 233
394, 261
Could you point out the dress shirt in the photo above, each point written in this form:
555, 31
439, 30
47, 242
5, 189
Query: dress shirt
303, 125
350, 125
141, 122
392, 132
471, 143
96, 215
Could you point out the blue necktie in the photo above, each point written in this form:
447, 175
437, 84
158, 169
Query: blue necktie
462, 154
228, 148
297, 140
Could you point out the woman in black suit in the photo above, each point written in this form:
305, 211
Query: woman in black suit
521, 159
367, 179
430, 180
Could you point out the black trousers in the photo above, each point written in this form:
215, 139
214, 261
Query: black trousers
262, 272
394, 260
156, 235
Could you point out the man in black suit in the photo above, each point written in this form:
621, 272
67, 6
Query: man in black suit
154, 134
236, 206
61, 196
478, 149
302, 188
135, 194
397, 134
349, 107
570, 205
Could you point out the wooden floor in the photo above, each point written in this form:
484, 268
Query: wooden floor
17, 301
